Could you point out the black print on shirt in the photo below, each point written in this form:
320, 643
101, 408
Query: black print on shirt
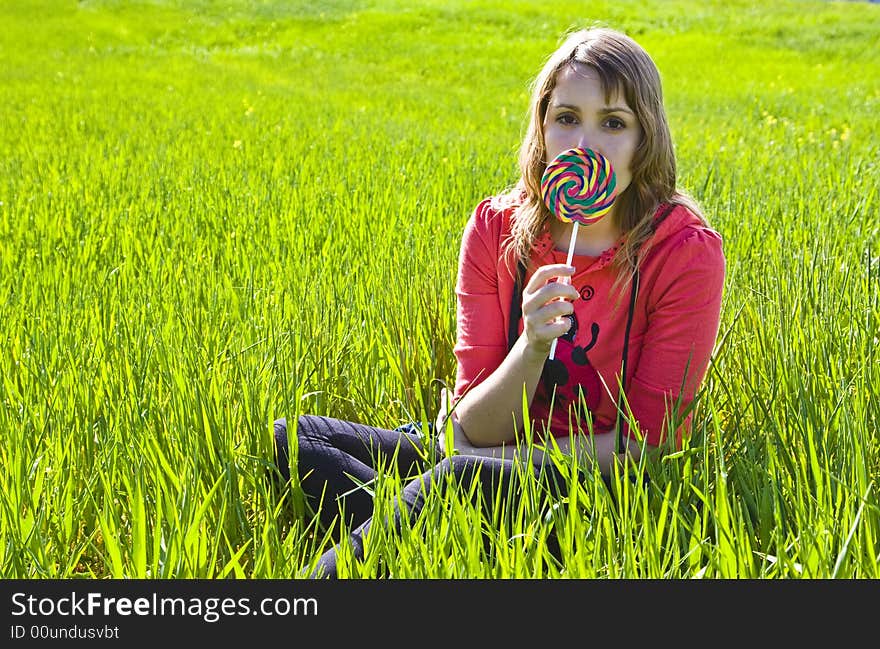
570, 372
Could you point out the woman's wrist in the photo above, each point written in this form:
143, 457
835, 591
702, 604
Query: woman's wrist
533, 354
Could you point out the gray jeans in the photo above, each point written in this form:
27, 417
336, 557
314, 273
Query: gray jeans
336, 456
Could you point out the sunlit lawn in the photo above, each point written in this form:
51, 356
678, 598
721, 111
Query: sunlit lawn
213, 215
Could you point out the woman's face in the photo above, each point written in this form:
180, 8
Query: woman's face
578, 116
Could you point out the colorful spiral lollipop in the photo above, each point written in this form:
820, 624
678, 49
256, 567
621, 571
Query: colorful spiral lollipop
578, 186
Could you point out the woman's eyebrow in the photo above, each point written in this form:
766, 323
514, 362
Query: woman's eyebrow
604, 111
616, 109
568, 106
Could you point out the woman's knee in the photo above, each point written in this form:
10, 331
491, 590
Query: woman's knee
457, 466
282, 456
308, 428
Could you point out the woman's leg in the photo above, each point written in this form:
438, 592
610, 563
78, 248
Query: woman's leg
335, 456
495, 477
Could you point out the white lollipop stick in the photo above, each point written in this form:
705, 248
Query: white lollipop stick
566, 280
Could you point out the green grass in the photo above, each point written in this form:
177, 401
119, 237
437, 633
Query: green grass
213, 214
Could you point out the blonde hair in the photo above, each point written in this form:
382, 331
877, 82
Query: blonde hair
623, 67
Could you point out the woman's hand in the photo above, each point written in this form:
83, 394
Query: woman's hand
600, 449
544, 304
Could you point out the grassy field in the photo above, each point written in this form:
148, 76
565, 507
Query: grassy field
213, 214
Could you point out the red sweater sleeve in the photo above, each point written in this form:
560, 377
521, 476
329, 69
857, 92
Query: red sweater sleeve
481, 338
683, 318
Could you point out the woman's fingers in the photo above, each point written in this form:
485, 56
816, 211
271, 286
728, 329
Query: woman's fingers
545, 310
546, 273
546, 332
546, 301
546, 325
544, 287
552, 292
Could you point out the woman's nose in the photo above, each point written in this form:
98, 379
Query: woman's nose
592, 144
584, 140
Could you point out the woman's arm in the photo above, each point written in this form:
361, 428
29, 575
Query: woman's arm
491, 413
453, 440
683, 320
600, 449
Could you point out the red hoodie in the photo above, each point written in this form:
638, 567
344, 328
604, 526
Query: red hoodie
673, 331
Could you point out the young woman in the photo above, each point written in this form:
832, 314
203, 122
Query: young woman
639, 308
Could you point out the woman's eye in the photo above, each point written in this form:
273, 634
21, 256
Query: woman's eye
615, 123
567, 118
